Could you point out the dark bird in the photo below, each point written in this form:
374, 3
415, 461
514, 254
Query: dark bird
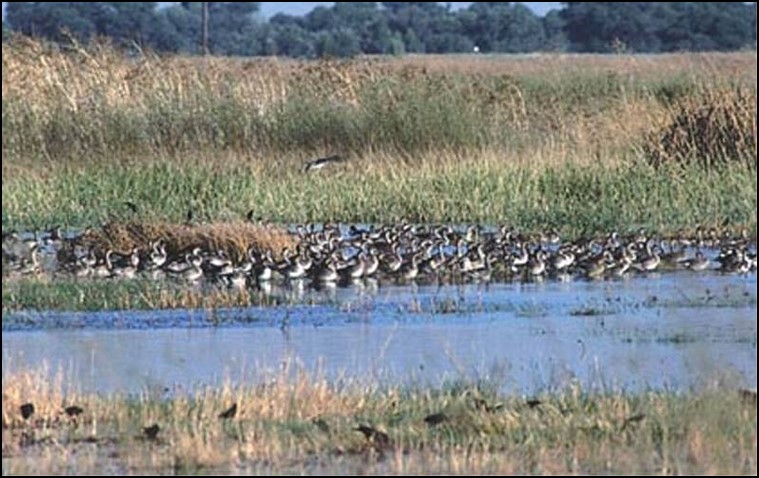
317, 164
132, 207
54, 234
27, 410
151, 432
435, 419
378, 438
321, 424
229, 412
74, 411
633, 419
533, 403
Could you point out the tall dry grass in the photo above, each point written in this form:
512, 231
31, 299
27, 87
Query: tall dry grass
537, 141
90, 104
297, 422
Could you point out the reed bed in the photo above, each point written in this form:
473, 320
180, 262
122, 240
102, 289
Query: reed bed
536, 141
296, 421
87, 104
234, 238
488, 188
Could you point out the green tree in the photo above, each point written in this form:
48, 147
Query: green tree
54, 21
341, 43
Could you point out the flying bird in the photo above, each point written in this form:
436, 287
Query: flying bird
317, 164
229, 413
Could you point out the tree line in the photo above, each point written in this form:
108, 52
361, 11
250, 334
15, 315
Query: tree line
350, 28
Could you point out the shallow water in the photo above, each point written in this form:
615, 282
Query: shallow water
673, 331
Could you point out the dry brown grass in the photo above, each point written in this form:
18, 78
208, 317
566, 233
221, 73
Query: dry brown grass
75, 75
235, 238
716, 127
295, 422
548, 65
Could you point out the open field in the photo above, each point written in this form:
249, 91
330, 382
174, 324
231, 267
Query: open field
304, 424
535, 142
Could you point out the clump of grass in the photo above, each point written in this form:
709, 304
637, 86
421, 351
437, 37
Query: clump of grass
293, 419
141, 294
714, 128
235, 238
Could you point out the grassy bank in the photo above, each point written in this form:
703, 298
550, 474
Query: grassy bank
307, 425
140, 294
543, 141
484, 188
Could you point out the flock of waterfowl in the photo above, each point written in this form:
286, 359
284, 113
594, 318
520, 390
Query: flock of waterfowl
399, 253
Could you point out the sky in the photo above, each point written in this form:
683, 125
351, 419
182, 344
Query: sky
299, 8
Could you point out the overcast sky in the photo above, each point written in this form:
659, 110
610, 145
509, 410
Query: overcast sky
299, 8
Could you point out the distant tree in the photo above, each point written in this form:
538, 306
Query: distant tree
54, 21
341, 43
553, 29
350, 28
602, 26
503, 27
710, 26
290, 39
185, 21
417, 22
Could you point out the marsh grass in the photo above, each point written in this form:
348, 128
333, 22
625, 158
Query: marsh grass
296, 421
534, 141
141, 294
477, 188
234, 238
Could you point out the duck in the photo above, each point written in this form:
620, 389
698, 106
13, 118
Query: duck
410, 269
104, 268
651, 261
698, 263
327, 272
537, 265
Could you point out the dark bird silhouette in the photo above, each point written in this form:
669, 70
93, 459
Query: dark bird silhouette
317, 164
74, 411
435, 419
376, 437
54, 234
321, 424
132, 207
27, 410
229, 412
632, 420
151, 432
533, 403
